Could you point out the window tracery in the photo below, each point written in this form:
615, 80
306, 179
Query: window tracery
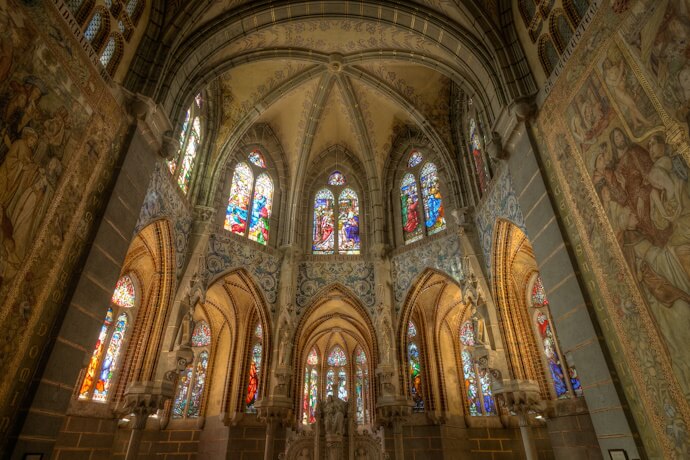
477, 380
102, 367
191, 382
325, 239
247, 193
429, 184
336, 368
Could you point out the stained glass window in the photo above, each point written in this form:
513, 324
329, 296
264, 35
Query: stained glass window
411, 330
472, 392
336, 178
172, 163
467, 334
193, 142
180, 402
361, 386
238, 203
201, 337
433, 203
323, 237
124, 296
105, 377
415, 159
553, 361
254, 370
313, 358
311, 393
348, 222
96, 356
487, 393
415, 376
539, 294
409, 197
198, 386
478, 156
255, 157
261, 209
93, 27
330, 382
342, 384
337, 357
108, 52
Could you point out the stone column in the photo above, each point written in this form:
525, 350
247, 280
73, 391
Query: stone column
393, 412
521, 397
276, 411
144, 399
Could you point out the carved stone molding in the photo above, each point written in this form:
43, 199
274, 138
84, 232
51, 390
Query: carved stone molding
152, 122
145, 398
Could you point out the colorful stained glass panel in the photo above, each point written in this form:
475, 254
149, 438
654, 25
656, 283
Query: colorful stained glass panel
433, 202
342, 384
337, 357
253, 385
539, 294
185, 175
553, 361
180, 403
411, 330
471, 389
259, 224
330, 382
313, 358
105, 377
336, 178
201, 337
238, 203
348, 222
409, 200
96, 356
478, 156
124, 296
198, 388
467, 333
415, 159
256, 158
415, 376
323, 241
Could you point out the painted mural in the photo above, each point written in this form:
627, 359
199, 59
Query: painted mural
618, 147
56, 157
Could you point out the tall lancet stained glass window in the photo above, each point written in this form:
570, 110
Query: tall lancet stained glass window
480, 165
415, 367
254, 374
480, 400
100, 372
361, 387
425, 216
564, 378
250, 204
189, 143
190, 384
346, 215
311, 388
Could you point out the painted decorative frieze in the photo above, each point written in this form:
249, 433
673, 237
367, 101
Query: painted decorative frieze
358, 276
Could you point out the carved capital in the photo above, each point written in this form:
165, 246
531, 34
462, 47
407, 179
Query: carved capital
152, 122
495, 147
275, 410
520, 397
145, 398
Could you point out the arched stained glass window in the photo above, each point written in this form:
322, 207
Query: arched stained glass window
433, 203
336, 376
254, 370
337, 357
190, 384
94, 26
189, 144
256, 158
415, 159
330, 382
238, 203
261, 209
323, 241
342, 384
361, 387
409, 196
564, 378
201, 337
478, 156
415, 367
336, 178
478, 390
348, 222
103, 364
123, 296
105, 377
247, 194
96, 356
311, 389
